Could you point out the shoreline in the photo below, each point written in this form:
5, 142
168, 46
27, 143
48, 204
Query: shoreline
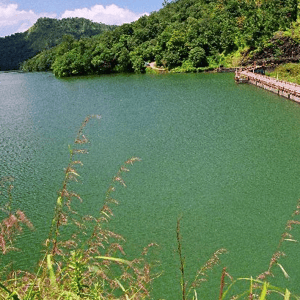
288, 90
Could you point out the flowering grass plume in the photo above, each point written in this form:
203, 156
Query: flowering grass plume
14, 220
83, 258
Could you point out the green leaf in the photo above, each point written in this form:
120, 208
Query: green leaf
286, 275
51, 271
264, 291
115, 259
59, 201
287, 294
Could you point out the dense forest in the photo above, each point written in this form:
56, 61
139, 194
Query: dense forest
43, 35
186, 35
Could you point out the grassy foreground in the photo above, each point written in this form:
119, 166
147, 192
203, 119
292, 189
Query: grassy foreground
83, 259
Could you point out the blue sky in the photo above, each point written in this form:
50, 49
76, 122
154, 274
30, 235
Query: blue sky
19, 15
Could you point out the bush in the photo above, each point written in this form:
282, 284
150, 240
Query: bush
186, 67
138, 63
198, 57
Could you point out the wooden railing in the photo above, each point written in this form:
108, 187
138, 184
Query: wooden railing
280, 87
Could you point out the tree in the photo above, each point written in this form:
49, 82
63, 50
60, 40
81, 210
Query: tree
198, 57
138, 63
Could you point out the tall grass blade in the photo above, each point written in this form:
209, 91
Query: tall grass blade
222, 283
12, 295
115, 259
251, 288
123, 289
28, 295
264, 291
51, 271
182, 260
287, 294
286, 275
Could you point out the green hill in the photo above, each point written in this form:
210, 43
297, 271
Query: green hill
44, 34
185, 35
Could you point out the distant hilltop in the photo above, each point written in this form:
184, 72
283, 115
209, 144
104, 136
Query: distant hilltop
44, 34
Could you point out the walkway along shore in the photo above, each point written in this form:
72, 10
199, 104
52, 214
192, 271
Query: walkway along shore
282, 88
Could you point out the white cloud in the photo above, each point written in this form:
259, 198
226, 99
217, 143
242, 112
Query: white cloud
14, 20
110, 15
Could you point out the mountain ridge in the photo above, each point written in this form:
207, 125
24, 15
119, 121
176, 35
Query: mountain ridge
43, 35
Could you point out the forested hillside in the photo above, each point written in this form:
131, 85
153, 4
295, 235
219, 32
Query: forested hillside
45, 34
184, 34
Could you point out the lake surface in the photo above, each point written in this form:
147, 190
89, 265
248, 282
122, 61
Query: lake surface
223, 156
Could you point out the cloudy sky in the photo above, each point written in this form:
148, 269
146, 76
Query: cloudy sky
19, 15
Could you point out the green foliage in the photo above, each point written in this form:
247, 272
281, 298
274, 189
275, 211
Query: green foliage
287, 72
14, 50
41, 62
176, 49
104, 61
197, 57
138, 62
61, 66
183, 32
42, 36
186, 67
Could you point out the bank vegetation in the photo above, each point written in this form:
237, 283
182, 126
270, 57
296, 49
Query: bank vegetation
185, 35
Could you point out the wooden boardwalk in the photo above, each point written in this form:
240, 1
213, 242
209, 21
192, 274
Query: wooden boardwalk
282, 88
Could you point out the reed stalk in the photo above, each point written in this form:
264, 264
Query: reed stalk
181, 260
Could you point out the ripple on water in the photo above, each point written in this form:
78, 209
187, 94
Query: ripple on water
224, 156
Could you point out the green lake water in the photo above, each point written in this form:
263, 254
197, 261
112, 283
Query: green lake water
223, 156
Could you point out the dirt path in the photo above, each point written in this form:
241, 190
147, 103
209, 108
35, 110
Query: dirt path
152, 65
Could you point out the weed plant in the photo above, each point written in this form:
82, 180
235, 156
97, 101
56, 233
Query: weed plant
288, 72
240, 288
89, 261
